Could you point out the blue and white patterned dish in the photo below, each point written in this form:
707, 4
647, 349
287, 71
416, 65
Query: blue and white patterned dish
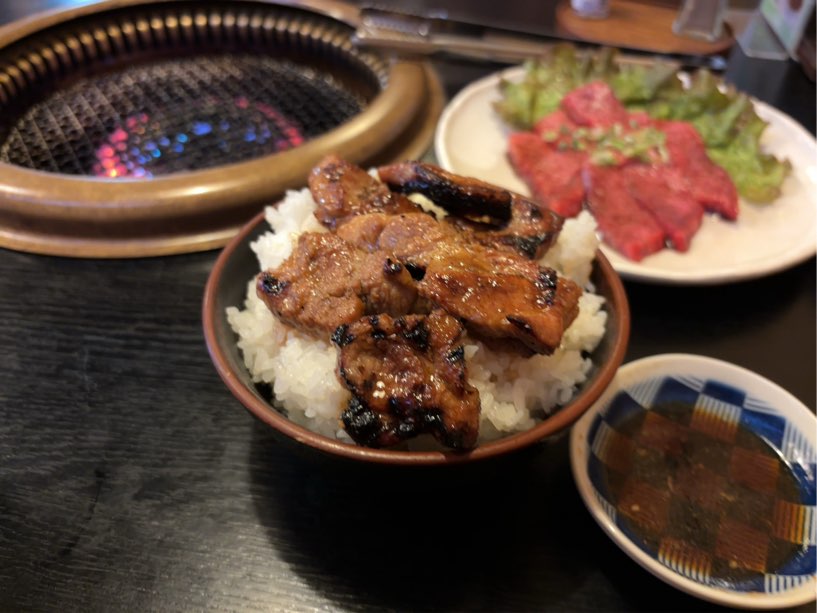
739, 529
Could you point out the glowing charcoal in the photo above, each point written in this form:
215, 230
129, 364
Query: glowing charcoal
144, 146
201, 128
200, 103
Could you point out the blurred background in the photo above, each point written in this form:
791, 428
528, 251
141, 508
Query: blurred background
747, 22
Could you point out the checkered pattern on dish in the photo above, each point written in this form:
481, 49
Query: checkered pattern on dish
777, 553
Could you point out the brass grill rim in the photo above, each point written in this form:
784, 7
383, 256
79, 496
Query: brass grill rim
44, 212
64, 50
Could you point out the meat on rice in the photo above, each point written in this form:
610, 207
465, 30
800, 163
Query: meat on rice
351, 279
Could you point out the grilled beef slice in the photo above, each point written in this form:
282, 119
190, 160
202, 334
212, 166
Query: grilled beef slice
529, 305
407, 376
411, 237
496, 217
497, 293
342, 190
461, 196
327, 282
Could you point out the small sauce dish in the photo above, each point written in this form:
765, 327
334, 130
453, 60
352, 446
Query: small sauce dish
703, 472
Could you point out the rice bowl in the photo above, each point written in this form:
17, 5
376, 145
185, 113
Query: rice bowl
517, 393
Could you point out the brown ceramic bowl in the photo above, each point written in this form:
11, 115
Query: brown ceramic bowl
227, 286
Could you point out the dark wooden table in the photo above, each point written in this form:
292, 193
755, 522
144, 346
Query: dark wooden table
131, 479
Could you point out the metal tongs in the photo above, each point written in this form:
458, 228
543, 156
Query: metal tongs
438, 35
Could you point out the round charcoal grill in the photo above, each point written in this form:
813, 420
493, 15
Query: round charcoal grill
143, 128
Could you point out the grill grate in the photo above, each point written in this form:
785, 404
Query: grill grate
178, 114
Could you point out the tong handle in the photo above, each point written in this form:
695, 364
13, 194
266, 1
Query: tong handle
431, 35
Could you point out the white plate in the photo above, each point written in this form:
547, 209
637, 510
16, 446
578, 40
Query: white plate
471, 139
737, 396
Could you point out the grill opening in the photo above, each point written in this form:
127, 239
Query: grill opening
178, 86
176, 115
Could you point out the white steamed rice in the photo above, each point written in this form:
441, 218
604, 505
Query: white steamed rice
515, 391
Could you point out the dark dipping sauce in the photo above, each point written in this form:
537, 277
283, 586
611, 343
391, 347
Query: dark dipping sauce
703, 494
